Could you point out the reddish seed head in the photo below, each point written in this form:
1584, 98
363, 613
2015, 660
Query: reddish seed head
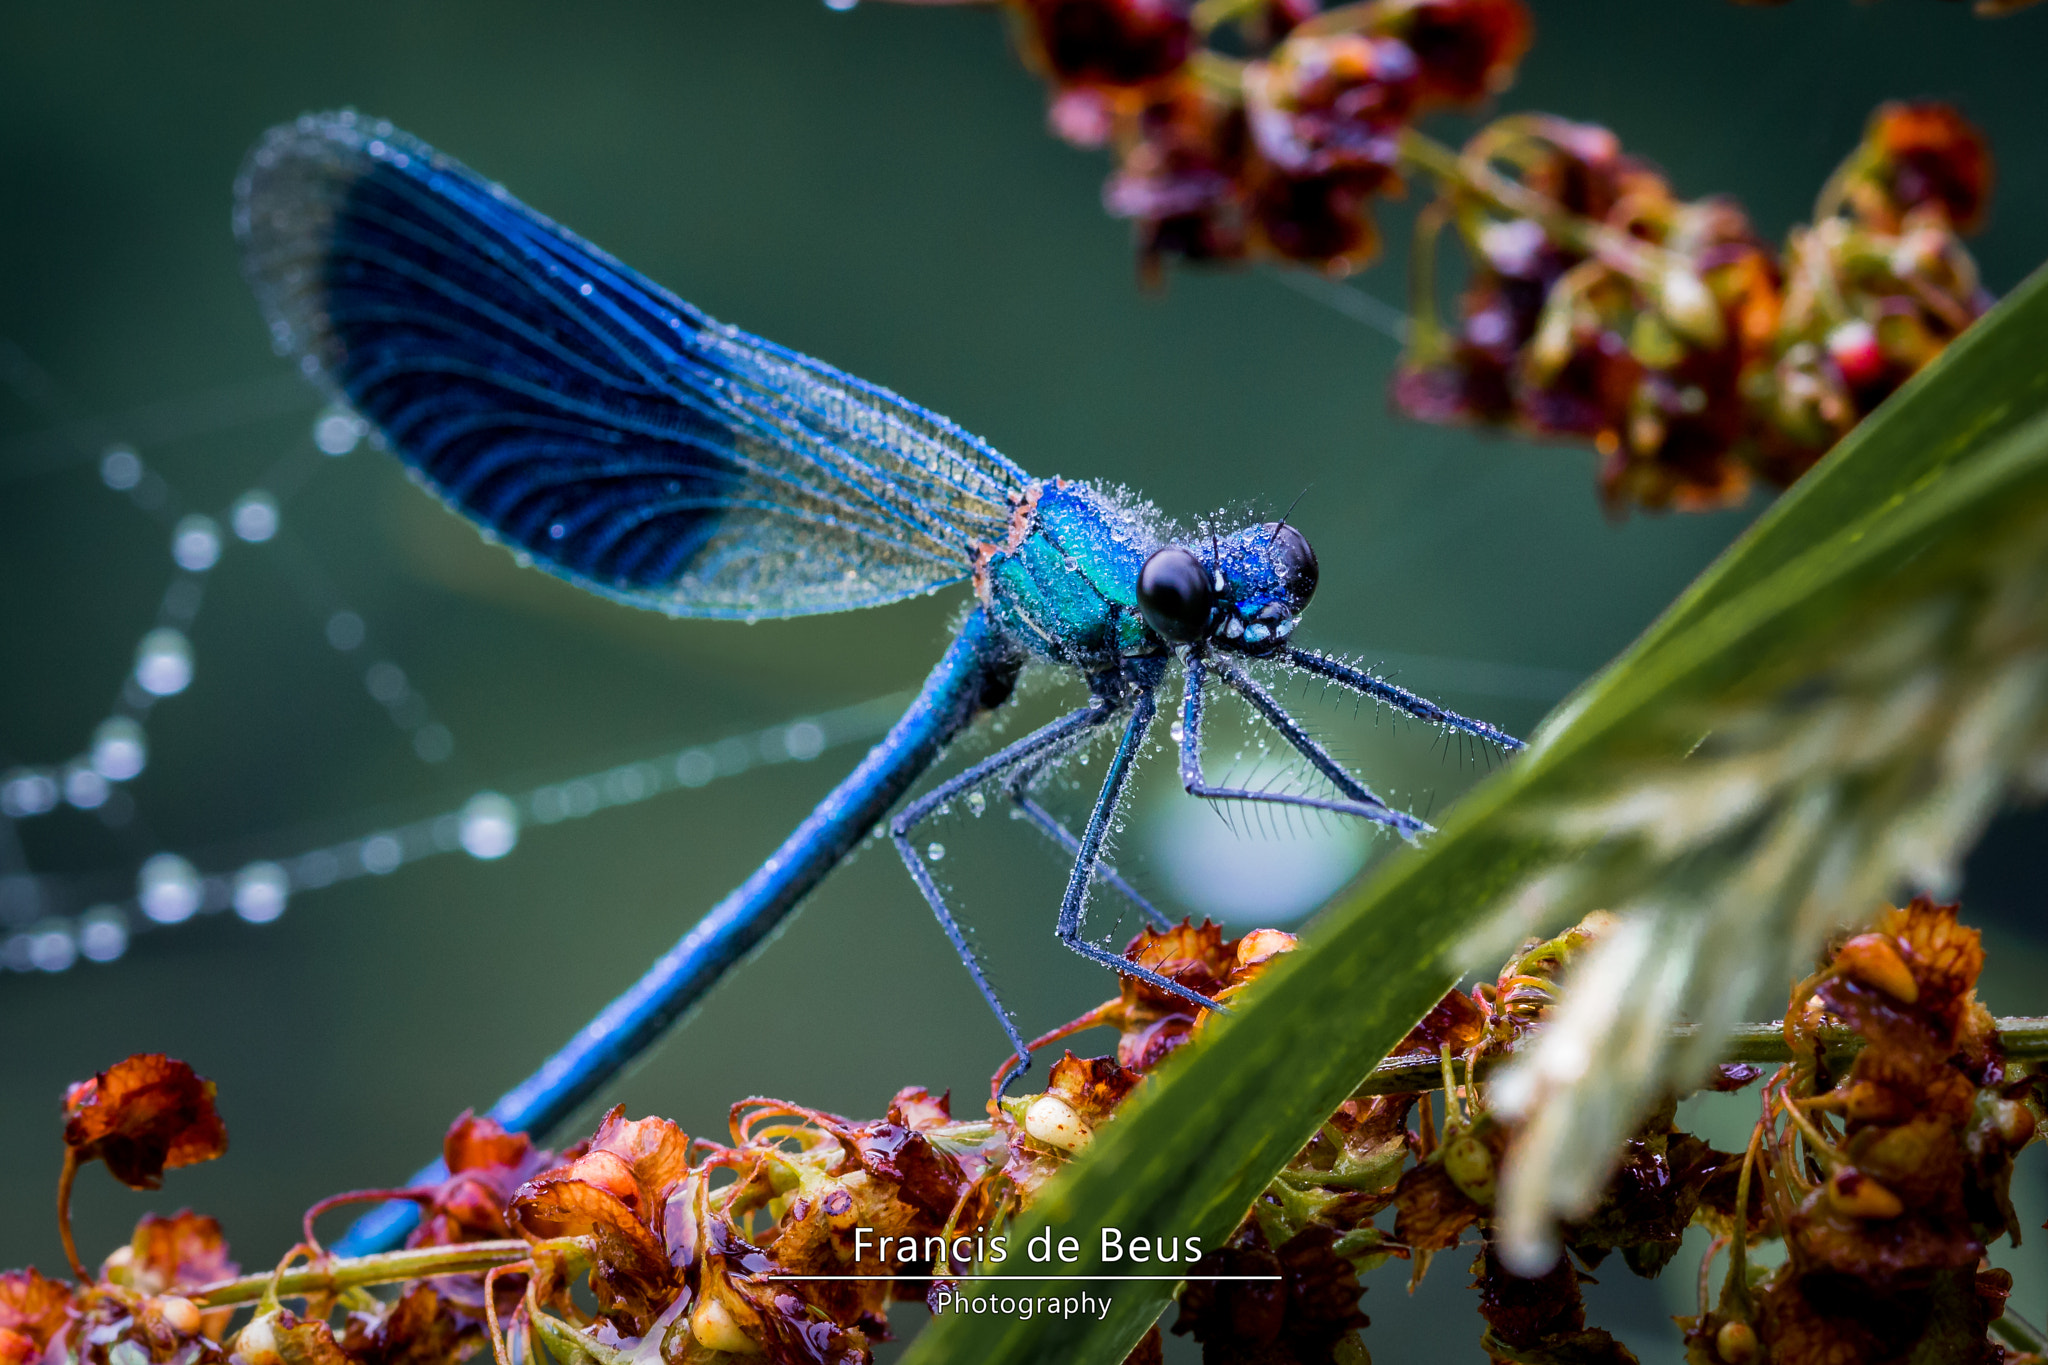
1873, 959
1467, 49
1930, 154
1108, 42
143, 1116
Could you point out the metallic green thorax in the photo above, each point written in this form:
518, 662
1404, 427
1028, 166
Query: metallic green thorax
1067, 588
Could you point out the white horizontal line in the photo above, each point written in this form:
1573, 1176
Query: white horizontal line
1015, 1278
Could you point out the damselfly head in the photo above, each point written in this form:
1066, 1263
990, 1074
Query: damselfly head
1241, 592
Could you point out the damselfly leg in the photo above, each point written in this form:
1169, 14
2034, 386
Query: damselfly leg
1364, 684
1018, 788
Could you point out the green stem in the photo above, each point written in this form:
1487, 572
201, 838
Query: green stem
2017, 1331
1640, 261
466, 1258
2025, 1038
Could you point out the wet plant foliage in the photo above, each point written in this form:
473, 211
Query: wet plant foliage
1881, 1160
1597, 305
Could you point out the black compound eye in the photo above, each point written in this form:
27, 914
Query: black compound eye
1175, 596
1296, 562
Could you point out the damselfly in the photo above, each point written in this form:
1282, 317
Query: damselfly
612, 434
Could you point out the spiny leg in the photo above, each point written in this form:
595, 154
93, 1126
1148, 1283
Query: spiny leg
1400, 698
1358, 799
1075, 901
1055, 829
1032, 746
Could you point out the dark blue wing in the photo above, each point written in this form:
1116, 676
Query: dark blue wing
585, 415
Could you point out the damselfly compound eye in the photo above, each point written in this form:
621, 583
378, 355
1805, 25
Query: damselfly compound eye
1175, 595
1296, 562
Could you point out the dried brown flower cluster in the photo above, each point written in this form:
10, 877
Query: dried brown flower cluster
1697, 359
640, 1243
1886, 1175
1281, 156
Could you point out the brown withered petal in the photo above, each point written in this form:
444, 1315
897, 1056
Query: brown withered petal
656, 1150
1733, 1076
482, 1144
1107, 42
1455, 1020
421, 1328
1540, 1321
1256, 950
1466, 49
916, 1107
1945, 957
593, 1192
183, 1251
1094, 1086
927, 1179
143, 1116
116, 1331
1300, 1317
1196, 956
1431, 1210
34, 1307
1931, 154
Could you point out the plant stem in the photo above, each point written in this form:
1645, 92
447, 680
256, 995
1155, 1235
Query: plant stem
2017, 1331
1640, 261
334, 1276
2025, 1038
64, 1181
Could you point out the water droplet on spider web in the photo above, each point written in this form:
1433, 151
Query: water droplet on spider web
261, 890
195, 543
168, 889
163, 662
254, 516
119, 749
976, 802
102, 933
120, 468
337, 431
935, 851
490, 826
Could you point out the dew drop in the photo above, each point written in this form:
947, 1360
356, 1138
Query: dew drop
168, 889
433, 742
27, 791
119, 749
381, 854
345, 630
976, 802
195, 544
163, 663
261, 890
805, 740
85, 788
490, 826
120, 468
936, 851
337, 431
102, 933
386, 681
254, 516
51, 948
1178, 731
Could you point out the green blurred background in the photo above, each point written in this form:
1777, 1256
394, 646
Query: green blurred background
874, 187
